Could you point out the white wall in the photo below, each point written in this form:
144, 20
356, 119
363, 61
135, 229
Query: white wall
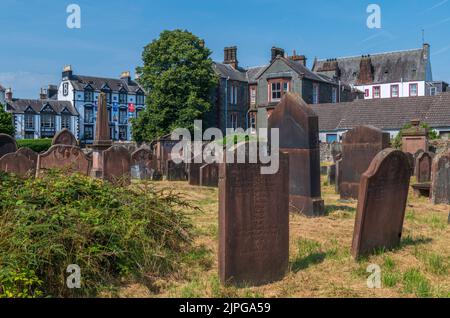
386, 89
340, 133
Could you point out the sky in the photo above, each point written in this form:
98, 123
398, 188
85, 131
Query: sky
36, 42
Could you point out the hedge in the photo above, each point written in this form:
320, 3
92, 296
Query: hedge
38, 145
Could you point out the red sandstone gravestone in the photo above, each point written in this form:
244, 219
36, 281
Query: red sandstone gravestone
7, 144
423, 167
381, 203
64, 137
359, 146
410, 157
64, 157
30, 154
209, 175
253, 222
17, 164
299, 137
440, 185
141, 164
116, 165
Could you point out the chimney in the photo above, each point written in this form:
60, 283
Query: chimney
365, 75
43, 94
298, 58
230, 56
426, 51
201, 43
276, 51
126, 76
9, 94
52, 91
67, 73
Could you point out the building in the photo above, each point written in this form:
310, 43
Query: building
40, 118
245, 97
384, 75
387, 114
125, 99
2, 95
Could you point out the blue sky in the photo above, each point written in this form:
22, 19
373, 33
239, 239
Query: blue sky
36, 42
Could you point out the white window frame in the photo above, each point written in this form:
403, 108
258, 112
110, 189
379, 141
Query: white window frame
316, 90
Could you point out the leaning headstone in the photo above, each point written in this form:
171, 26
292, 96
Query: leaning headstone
116, 165
411, 161
64, 137
299, 137
67, 157
359, 146
141, 164
253, 222
7, 144
176, 171
331, 174
209, 175
17, 164
381, 203
423, 167
29, 153
440, 184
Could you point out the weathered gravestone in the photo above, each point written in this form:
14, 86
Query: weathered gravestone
415, 138
141, 164
209, 175
194, 170
253, 222
64, 137
338, 175
29, 153
7, 144
299, 137
17, 164
175, 171
359, 146
423, 167
410, 157
64, 157
440, 185
116, 165
331, 174
336, 151
381, 203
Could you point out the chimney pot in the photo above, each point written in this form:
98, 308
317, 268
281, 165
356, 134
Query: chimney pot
230, 56
9, 94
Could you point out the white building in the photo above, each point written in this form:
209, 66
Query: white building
2, 95
125, 99
384, 75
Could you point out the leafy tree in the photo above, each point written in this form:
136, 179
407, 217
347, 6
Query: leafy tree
178, 76
6, 122
397, 141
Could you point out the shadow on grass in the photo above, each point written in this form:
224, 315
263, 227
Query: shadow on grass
332, 208
414, 241
301, 263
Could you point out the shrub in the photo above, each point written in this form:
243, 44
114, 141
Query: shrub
397, 141
38, 145
112, 233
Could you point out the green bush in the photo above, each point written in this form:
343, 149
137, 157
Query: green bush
397, 141
112, 233
38, 145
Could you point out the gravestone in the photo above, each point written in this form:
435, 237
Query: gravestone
194, 171
209, 175
423, 167
253, 222
411, 161
17, 164
29, 153
299, 137
7, 144
440, 185
338, 175
116, 165
64, 137
175, 171
415, 138
336, 151
417, 153
381, 203
331, 174
141, 164
359, 146
67, 157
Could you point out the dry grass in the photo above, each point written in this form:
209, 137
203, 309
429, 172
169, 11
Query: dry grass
320, 261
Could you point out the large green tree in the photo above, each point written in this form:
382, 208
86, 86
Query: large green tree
178, 76
6, 122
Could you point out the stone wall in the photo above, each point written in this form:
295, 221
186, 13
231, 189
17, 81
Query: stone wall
439, 145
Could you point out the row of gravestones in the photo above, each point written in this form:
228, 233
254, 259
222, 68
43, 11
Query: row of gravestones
118, 164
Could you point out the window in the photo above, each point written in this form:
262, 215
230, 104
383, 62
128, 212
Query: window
331, 138
88, 115
252, 123
29, 122
140, 99
413, 90
112, 132
376, 92
234, 120
110, 119
334, 95
366, 93
122, 132
285, 87
276, 91
315, 93
233, 95
122, 98
65, 121
433, 91
47, 125
253, 95
108, 97
89, 132
122, 116
394, 91
88, 96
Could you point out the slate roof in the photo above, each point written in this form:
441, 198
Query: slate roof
21, 105
227, 71
385, 113
254, 72
2, 89
79, 82
388, 67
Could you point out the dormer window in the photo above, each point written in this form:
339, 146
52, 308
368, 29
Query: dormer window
277, 88
140, 99
122, 98
88, 96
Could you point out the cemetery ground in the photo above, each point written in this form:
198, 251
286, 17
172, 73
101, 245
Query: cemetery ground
320, 261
